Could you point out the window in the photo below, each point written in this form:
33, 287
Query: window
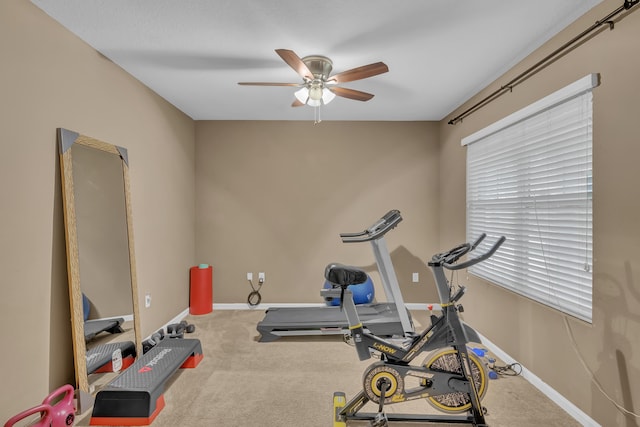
529, 178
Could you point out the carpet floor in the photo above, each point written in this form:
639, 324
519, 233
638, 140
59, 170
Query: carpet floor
291, 381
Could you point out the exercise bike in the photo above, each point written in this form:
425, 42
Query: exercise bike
451, 378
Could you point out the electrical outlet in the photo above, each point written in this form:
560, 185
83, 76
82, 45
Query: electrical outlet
261, 277
249, 276
416, 277
147, 300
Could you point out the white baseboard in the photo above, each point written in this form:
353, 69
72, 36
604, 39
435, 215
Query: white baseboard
245, 306
545, 388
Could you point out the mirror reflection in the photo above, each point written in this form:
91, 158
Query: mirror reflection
100, 259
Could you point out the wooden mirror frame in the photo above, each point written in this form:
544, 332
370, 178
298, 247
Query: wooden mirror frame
66, 140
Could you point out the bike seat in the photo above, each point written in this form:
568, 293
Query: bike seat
344, 275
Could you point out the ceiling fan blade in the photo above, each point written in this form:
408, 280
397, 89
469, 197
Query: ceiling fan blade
359, 73
295, 62
297, 103
268, 84
351, 93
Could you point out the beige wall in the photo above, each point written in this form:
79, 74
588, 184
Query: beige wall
274, 197
533, 334
50, 79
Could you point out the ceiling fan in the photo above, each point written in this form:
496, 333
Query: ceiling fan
319, 87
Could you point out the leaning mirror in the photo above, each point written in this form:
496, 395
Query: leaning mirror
100, 260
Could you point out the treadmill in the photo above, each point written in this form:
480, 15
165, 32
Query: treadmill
390, 319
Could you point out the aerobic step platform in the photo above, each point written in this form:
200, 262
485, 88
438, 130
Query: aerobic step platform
101, 358
135, 397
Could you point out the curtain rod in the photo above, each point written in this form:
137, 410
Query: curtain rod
538, 66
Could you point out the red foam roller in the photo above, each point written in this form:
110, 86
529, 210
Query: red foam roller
201, 290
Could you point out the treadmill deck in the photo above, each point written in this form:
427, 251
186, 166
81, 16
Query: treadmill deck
380, 319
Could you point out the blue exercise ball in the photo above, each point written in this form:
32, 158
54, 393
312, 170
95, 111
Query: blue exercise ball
363, 293
86, 307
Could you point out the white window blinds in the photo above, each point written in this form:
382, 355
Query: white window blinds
529, 178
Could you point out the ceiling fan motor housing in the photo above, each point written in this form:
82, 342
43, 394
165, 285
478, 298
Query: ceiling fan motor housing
320, 66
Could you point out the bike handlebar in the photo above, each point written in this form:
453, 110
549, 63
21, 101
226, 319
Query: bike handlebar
473, 261
376, 230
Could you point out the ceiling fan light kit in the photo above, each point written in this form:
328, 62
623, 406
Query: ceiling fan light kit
314, 97
319, 87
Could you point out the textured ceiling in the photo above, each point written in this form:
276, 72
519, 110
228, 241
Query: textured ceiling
193, 53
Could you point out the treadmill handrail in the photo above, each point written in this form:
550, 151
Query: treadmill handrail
378, 229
